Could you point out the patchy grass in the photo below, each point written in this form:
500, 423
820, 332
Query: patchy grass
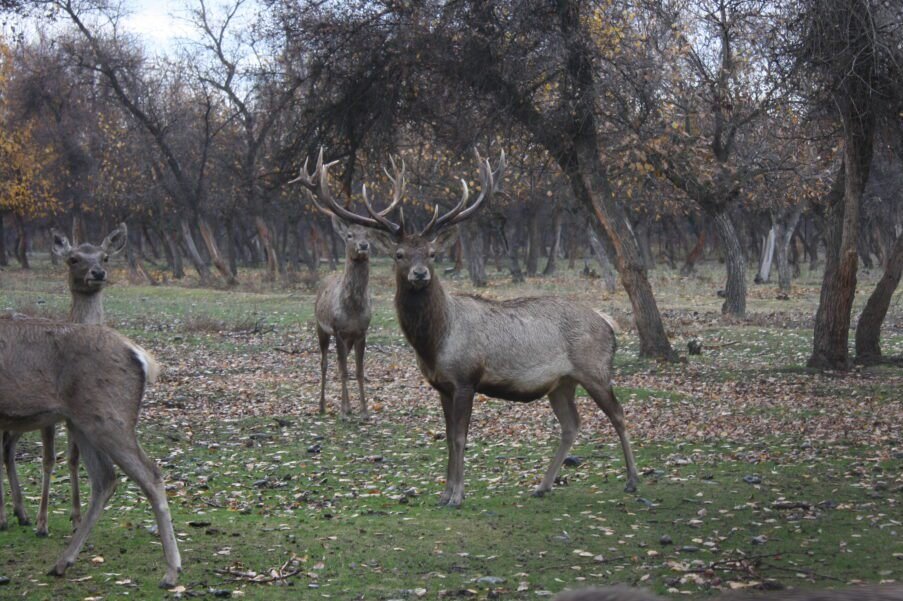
753, 467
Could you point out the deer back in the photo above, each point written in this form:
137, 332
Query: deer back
51, 371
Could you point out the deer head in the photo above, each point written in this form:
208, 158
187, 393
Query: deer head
414, 253
86, 262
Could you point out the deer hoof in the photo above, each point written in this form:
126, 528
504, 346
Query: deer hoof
3, 525
42, 532
631, 487
24, 521
59, 569
540, 492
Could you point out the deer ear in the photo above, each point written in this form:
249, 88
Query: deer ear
61, 246
443, 241
116, 240
339, 226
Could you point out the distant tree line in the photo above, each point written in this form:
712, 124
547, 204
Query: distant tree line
641, 133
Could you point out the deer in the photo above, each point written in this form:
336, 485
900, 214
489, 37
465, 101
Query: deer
516, 350
87, 280
94, 379
343, 304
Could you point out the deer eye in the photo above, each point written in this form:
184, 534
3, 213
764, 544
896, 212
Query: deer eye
72, 260
350, 235
106, 258
399, 254
432, 254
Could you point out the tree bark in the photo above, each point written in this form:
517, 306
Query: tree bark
22, 243
534, 241
766, 257
606, 269
263, 233
517, 237
213, 250
641, 229
868, 330
472, 242
785, 226
4, 258
193, 255
173, 254
735, 286
695, 254
552, 260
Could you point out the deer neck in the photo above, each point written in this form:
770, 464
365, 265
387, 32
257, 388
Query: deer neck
354, 282
87, 307
424, 317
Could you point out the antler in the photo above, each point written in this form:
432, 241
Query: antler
399, 183
489, 180
317, 185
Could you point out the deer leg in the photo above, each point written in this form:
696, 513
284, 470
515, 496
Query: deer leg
103, 483
604, 396
323, 337
462, 406
449, 438
128, 455
360, 346
47, 441
73, 461
562, 401
15, 489
341, 349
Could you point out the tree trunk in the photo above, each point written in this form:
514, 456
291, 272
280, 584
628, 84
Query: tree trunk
534, 241
4, 258
606, 269
641, 228
193, 255
592, 189
552, 261
472, 243
767, 255
266, 240
137, 273
213, 250
695, 253
868, 330
173, 254
784, 229
517, 237
22, 243
735, 286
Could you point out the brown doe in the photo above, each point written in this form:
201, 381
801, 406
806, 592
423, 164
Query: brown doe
94, 379
343, 306
87, 279
516, 350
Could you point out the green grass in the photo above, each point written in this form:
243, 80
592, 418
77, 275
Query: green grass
358, 519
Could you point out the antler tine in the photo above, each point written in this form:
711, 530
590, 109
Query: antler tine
399, 183
432, 222
490, 181
461, 211
380, 216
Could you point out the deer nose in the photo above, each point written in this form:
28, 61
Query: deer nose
363, 246
98, 274
420, 273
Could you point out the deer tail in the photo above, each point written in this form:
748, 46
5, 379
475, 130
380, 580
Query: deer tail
610, 321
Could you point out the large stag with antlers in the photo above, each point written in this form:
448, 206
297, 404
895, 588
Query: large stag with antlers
516, 350
94, 379
343, 305
86, 265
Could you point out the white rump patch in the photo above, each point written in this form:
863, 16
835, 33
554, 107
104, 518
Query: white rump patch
148, 363
610, 321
